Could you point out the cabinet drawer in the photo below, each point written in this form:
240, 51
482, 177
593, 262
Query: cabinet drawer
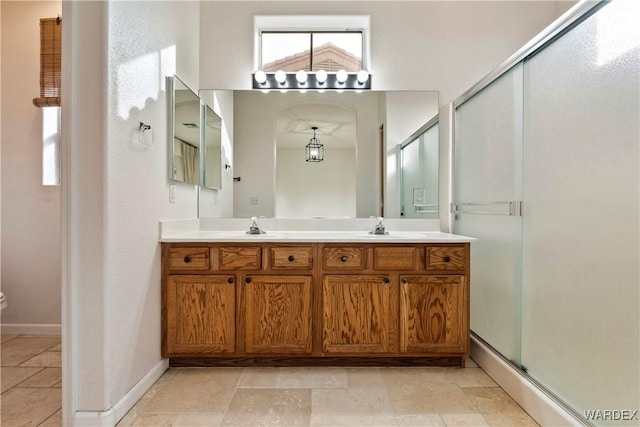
446, 258
291, 258
395, 258
240, 258
344, 258
188, 259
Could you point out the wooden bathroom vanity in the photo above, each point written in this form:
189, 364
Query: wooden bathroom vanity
243, 302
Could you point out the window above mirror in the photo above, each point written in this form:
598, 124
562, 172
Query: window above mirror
311, 53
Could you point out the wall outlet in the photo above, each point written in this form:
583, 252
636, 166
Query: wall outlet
418, 196
254, 200
172, 194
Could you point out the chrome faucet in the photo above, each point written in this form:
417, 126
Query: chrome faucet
379, 228
254, 228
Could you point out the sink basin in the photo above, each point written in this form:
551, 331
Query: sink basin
389, 234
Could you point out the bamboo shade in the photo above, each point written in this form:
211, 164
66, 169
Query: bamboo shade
50, 62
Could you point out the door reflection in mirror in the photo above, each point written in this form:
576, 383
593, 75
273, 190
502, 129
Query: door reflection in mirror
212, 137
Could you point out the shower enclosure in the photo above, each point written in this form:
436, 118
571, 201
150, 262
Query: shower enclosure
546, 160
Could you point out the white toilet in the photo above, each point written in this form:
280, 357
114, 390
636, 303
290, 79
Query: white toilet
3, 301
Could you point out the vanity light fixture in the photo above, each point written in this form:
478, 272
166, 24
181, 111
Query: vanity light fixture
318, 80
362, 76
260, 76
342, 76
314, 150
280, 76
321, 76
301, 76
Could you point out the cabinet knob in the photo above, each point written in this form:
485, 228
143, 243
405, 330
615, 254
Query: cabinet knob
230, 280
447, 259
291, 258
405, 281
343, 258
385, 280
187, 259
247, 280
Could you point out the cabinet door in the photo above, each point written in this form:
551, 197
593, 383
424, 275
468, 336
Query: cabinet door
356, 313
200, 314
433, 314
277, 313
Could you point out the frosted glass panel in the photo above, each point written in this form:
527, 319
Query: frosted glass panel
419, 176
488, 151
581, 224
50, 145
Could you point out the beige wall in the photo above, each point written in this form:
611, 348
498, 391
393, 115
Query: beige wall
421, 45
0, 145
316, 189
31, 240
137, 187
116, 190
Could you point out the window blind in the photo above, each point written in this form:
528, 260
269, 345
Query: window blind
50, 62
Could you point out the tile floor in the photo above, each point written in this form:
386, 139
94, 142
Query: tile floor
30, 378
207, 397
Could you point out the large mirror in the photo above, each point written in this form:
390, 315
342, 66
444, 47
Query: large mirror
184, 106
360, 134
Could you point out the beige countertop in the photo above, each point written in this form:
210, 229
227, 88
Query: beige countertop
296, 231
316, 236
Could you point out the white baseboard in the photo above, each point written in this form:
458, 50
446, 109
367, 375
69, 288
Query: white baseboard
30, 329
111, 417
533, 400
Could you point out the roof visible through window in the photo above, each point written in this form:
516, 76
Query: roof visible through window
311, 51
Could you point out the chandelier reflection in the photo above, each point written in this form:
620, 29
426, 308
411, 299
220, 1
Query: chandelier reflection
314, 150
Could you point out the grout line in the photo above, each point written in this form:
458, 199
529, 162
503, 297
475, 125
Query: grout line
34, 374
40, 354
54, 412
34, 388
9, 340
40, 370
235, 390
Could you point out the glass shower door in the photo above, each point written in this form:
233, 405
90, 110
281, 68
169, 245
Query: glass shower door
581, 254
487, 195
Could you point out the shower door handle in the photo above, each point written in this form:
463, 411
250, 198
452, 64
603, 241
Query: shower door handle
507, 208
